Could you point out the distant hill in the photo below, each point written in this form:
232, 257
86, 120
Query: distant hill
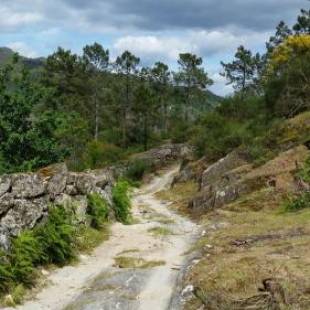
213, 98
6, 55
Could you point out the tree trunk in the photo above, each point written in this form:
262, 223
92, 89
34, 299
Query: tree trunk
145, 132
96, 117
125, 109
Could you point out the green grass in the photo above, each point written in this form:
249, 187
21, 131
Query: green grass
97, 210
295, 204
56, 242
160, 231
121, 200
133, 262
88, 238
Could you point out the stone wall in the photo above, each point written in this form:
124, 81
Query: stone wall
165, 154
25, 197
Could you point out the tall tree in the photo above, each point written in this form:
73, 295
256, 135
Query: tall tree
28, 139
303, 23
97, 61
192, 77
126, 66
243, 71
144, 107
161, 80
288, 84
282, 32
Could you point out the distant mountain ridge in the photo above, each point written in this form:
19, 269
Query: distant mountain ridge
6, 55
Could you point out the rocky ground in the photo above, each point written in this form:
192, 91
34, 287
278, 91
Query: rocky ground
254, 254
136, 268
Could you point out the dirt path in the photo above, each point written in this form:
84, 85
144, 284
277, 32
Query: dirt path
98, 283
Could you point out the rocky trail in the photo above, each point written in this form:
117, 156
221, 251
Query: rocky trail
137, 268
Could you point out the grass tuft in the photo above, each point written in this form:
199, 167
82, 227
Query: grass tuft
160, 231
133, 262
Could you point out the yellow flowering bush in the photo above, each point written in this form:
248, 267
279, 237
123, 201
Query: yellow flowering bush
293, 46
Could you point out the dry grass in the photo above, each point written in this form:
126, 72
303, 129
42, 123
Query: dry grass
135, 250
179, 195
160, 231
179, 192
133, 262
253, 246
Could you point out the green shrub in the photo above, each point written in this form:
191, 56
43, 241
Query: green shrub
121, 201
295, 204
18, 294
27, 251
305, 171
97, 210
6, 277
55, 242
136, 169
98, 154
57, 236
89, 238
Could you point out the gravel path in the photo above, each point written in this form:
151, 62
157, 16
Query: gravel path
97, 283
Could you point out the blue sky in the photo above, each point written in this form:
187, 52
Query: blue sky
152, 29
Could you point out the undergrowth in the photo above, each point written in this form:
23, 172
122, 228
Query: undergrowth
121, 201
97, 210
137, 169
57, 242
302, 201
295, 204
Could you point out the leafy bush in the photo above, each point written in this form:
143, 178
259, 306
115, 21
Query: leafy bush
27, 251
88, 237
98, 154
305, 172
136, 169
49, 243
215, 136
18, 294
299, 203
57, 237
97, 210
121, 201
6, 277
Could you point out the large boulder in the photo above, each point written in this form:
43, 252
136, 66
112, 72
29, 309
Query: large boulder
5, 184
6, 202
104, 177
27, 186
80, 183
23, 214
76, 204
230, 184
191, 170
164, 154
85, 183
216, 171
56, 178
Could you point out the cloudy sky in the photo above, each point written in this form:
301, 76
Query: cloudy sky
152, 29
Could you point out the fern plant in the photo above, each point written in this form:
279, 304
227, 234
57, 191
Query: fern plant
57, 236
121, 201
97, 210
26, 253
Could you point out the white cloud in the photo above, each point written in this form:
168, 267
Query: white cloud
220, 85
204, 43
10, 19
152, 46
23, 49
